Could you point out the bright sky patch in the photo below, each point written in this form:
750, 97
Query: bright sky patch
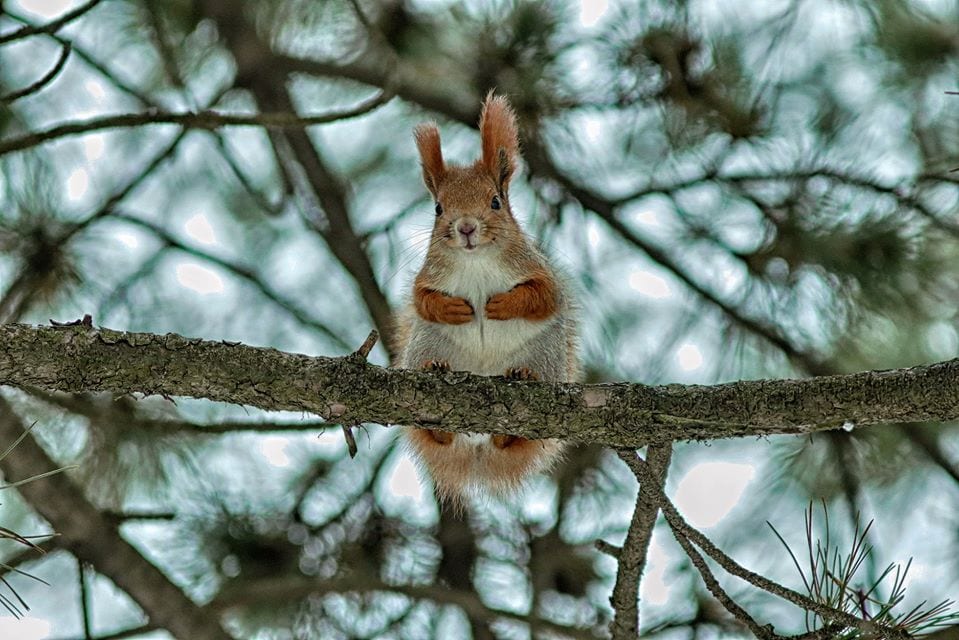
710, 490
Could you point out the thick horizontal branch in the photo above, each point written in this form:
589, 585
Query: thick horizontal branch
350, 390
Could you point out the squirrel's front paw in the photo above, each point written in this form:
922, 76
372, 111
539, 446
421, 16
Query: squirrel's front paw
520, 373
454, 311
501, 307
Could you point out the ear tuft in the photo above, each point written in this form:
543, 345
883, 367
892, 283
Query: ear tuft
427, 137
500, 140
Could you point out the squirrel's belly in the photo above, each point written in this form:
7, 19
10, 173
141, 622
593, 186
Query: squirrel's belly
489, 347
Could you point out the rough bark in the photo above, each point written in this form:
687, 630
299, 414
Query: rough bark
353, 391
92, 536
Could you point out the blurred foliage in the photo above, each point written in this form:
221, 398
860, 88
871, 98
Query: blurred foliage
777, 176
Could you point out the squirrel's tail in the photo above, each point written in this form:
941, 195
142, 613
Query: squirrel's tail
468, 465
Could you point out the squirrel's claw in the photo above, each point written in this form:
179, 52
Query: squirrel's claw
520, 373
436, 366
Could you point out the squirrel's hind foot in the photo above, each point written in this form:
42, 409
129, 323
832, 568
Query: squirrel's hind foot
520, 373
436, 366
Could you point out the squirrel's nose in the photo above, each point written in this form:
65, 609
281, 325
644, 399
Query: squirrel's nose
466, 228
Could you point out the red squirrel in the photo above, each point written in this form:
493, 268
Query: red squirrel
485, 301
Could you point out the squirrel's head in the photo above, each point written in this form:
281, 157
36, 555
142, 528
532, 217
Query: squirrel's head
472, 202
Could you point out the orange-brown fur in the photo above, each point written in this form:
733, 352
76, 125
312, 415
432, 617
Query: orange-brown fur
534, 299
428, 143
500, 139
503, 469
469, 224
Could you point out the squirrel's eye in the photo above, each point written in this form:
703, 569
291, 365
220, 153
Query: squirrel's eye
439, 209
495, 203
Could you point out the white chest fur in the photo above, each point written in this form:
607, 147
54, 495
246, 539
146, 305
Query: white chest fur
489, 346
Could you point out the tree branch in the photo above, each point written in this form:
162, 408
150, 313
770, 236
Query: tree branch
712, 584
89, 60
43, 81
92, 408
299, 155
240, 271
51, 27
682, 529
632, 556
349, 388
253, 592
540, 162
189, 119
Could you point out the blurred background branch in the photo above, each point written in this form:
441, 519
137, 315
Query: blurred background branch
739, 191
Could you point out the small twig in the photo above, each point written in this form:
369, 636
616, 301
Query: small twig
319, 469
127, 516
49, 28
712, 584
364, 20
367, 346
350, 440
608, 548
89, 408
261, 199
43, 81
167, 53
84, 601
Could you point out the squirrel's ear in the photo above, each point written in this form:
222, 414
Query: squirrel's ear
500, 141
431, 155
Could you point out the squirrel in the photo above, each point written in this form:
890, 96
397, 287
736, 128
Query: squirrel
486, 301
